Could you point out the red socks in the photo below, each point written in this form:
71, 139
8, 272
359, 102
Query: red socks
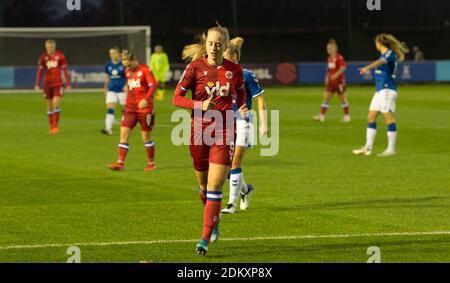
124, 147
50, 115
53, 117
211, 213
56, 114
203, 197
346, 108
150, 147
122, 152
324, 109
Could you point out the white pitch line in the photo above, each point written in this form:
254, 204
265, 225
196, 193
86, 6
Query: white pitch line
301, 237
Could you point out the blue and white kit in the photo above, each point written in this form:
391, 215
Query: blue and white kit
117, 81
245, 135
385, 97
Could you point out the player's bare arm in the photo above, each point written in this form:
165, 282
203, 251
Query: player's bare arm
375, 64
338, 73
105, 85
262, 109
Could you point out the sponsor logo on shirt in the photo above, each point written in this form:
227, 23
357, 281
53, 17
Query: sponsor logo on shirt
229, 75
217, 89
134, 83
51, 64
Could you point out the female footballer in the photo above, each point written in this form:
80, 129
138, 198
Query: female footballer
53, 63
114, 88
138, 109
384, 101
334, 83
213, 82
244, 131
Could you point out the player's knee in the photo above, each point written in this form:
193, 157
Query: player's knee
124, 134
215, 185
203, 183
389, 118
146, 137
216, 182
237, 161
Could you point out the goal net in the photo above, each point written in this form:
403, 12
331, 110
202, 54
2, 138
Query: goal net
83, 46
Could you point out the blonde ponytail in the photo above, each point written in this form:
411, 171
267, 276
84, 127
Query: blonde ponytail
235, 46
198, 50
389, 41
195, 51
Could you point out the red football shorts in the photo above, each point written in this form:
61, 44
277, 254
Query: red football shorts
145, 119
336, 87
53, 91
204, 153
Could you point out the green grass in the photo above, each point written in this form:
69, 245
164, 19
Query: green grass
57, 190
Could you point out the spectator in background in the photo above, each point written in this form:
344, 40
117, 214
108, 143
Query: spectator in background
418, 54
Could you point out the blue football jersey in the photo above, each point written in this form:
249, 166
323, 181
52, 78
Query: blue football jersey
116, 74
252, 89
385, 74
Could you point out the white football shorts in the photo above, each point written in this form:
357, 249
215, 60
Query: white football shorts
245, 135
384, 101
116, 97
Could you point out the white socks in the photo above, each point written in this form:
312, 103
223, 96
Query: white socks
236, 179
109, 121
372, 133
370, 136
392, 137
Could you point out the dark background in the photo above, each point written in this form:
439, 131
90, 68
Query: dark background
275, 31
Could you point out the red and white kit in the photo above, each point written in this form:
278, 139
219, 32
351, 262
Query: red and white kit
334, 64
141, 85
222, 82
53, 66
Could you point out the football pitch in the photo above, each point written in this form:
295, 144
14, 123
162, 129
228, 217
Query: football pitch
314, 201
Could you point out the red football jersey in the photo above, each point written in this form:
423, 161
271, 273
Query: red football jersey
334, 64
141, 85
204, 80
52, 65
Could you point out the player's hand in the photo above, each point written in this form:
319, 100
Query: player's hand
263, 130
333, 77
37, 88
68, 87
143, 104
243, 110
363, 71
208, 104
